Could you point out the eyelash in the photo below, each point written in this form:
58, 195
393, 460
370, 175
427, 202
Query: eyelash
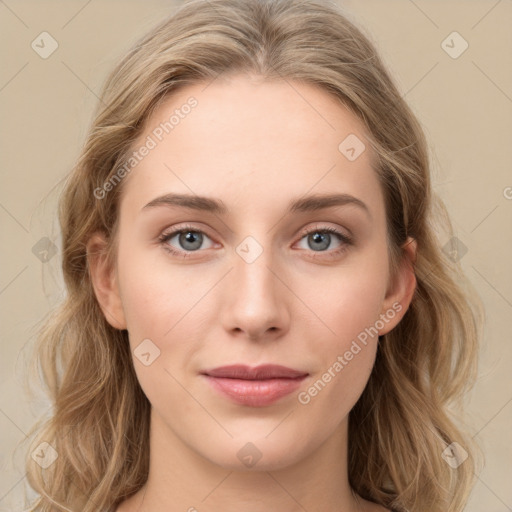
344, 239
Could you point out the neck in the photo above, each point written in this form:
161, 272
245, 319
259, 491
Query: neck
182, 480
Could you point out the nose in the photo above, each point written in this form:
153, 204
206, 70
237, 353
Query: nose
256, 301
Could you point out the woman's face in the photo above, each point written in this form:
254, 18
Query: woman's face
255, 172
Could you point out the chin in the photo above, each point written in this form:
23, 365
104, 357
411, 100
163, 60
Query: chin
259, 453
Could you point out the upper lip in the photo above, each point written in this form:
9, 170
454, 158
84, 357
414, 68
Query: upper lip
262, 372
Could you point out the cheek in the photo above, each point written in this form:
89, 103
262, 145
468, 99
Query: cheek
346, 358
346, 301
349, 306
159, 323
331, 394
155, 295
164, 316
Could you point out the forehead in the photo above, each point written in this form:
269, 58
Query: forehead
245, 138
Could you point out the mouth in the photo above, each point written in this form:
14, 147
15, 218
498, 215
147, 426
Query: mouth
257, 386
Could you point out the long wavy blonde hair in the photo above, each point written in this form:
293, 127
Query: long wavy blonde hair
404, 420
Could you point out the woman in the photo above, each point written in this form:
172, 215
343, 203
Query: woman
259, 315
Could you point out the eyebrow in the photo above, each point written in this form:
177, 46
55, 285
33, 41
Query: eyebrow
304, 204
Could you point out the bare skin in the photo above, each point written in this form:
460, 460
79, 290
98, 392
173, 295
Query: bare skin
255, 146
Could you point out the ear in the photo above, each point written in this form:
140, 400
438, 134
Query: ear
104, 281
401, 289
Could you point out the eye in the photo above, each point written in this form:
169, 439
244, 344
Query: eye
187, 239
320, 239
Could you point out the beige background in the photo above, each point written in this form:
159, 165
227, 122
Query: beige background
464, 104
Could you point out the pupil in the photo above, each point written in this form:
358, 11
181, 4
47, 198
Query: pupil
318, 238
192, 238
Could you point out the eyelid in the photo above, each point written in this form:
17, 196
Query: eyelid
169, 233
343, 233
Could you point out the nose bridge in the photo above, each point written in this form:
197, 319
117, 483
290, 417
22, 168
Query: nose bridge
256, 303
253, 261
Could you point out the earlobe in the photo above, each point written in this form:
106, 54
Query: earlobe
104, 281
401, 291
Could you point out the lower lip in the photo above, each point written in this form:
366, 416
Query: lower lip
255, 393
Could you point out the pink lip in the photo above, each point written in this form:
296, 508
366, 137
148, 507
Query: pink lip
256, 387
